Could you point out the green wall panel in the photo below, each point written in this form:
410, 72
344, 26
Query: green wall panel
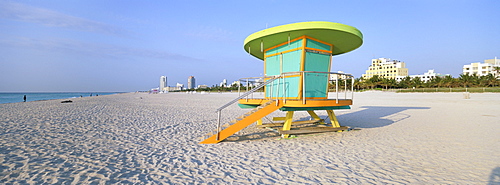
291, 61
292, 45
317, 62
291, 88
316, 84
273, 65
317, 45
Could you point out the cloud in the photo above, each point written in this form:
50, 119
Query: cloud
90, 49
26, 13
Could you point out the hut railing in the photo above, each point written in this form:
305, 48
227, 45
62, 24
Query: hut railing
337, 77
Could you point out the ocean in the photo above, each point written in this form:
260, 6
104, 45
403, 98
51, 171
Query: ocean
18, 97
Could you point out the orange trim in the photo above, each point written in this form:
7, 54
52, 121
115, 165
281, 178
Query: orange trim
302, 68
293, 40
316, 98
303, 59
287, 51
291, 76
320, 41
329, 69
299, 103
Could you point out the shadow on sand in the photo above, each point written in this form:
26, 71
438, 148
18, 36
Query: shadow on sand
375, 116
494, 177
367, 117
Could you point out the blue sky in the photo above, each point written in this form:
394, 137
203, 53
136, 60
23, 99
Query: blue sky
115, 45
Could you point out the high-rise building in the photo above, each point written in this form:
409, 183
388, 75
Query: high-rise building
163, 84
191, 82
386, 68
482, 69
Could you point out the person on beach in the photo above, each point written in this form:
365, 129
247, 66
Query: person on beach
24, 98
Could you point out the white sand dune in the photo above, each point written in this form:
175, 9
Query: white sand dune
428, 138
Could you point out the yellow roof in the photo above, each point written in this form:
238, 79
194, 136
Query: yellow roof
344, 38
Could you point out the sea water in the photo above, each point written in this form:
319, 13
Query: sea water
18, 97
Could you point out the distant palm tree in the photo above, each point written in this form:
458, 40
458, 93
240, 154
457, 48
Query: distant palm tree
449, 81
468, 80
416, 82
488, 80
392, 83
436, 82
384, 82
373, 82
358, 83
405, 82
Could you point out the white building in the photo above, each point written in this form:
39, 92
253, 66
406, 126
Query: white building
223, 83
427, 76
482, 69
179, 85
255, 82
163, 84
334, 77
237, 83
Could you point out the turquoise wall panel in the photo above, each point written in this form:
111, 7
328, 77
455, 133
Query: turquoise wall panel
317, 62
292, 45
272, 65
291, 61
275, 89
316, 84
318, 45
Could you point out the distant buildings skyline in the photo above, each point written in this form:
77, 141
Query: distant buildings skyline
383, 67
427, 76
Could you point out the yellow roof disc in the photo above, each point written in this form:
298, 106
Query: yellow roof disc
344, 38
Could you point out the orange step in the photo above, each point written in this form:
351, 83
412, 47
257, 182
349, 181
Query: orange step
244, 122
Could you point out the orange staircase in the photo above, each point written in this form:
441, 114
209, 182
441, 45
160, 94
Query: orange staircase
244, 121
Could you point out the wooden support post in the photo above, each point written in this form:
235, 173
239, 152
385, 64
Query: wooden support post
315, 116
288, 123
333, 118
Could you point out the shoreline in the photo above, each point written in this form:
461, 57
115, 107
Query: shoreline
43, 96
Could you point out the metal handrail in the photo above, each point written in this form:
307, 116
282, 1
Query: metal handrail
349, 76
248, 92
235, 100
285, 74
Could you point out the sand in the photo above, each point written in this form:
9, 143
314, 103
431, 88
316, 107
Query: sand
417, 138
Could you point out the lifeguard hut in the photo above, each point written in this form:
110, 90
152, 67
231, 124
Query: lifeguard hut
297, 60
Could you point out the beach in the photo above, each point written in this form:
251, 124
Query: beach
398, 138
